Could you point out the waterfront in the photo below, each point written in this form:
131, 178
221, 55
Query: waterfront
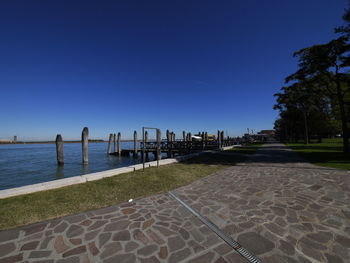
24, 164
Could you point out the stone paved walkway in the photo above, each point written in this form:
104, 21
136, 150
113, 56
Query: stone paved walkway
275, 205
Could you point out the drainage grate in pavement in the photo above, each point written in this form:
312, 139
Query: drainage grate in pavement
235, 245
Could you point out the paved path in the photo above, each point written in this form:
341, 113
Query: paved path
275, 205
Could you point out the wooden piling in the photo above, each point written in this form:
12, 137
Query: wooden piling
146, 152
135, 144
110, 143
222, 138
115, 143
118, 144
59, 149
85, 145
146, 136
219, 139
159, 138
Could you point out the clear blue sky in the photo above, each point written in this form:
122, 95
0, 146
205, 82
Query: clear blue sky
179, 65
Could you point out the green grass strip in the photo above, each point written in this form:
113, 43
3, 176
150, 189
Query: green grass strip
329, 153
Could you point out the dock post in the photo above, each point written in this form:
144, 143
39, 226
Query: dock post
189, 141
219, 139
110, 143
222, 138
159, 153
206, 139
168, 139
146, 140
85, 145
115, 143
118, 144
135, 144
203, 143
59, 149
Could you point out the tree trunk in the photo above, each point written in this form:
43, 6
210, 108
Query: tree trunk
343, 119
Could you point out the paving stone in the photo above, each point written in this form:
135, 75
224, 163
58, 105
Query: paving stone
8, 235
147, 250
117, 226
76, 241
152, 259
235, 258
255, 243
40, 254
74, 230
286, 247
91, 235
97, 224
138, 235
43, 261
35, 228
274, 228
61, 227
175, 243
278, 211
11, 259
103, 238
220, 260
223, 249
45, 242
312, 244
155, 237
75, 259
86, 259
122, 236
342, 240
128, 211
75, 218
163, 252
148, 223
321, 237
179, 255
121, 258
164, 231
333, 258
28, 246
110, 249
93, 249
206, 258
59, 245
130, 246
74, 251
6, 249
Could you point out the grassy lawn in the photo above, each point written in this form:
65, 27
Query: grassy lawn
30, 208
329, 153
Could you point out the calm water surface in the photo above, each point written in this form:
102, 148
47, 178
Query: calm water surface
24, 164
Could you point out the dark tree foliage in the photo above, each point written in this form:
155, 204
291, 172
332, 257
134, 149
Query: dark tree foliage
317, 101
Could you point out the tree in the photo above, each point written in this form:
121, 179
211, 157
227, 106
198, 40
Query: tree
328, 62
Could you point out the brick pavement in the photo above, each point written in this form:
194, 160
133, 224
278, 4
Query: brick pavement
277, 206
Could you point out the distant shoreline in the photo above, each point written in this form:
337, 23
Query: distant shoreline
51, 142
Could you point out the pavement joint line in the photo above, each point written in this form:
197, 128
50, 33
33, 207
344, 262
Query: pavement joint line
232, 243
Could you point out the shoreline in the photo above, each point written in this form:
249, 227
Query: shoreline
53, 142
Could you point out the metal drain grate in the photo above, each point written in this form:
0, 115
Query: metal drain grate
235, 245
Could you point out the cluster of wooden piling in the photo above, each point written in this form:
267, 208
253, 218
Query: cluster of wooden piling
84, 143
170, 146
115, 139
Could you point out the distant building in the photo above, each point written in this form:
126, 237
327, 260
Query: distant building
267, 132
15, 138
